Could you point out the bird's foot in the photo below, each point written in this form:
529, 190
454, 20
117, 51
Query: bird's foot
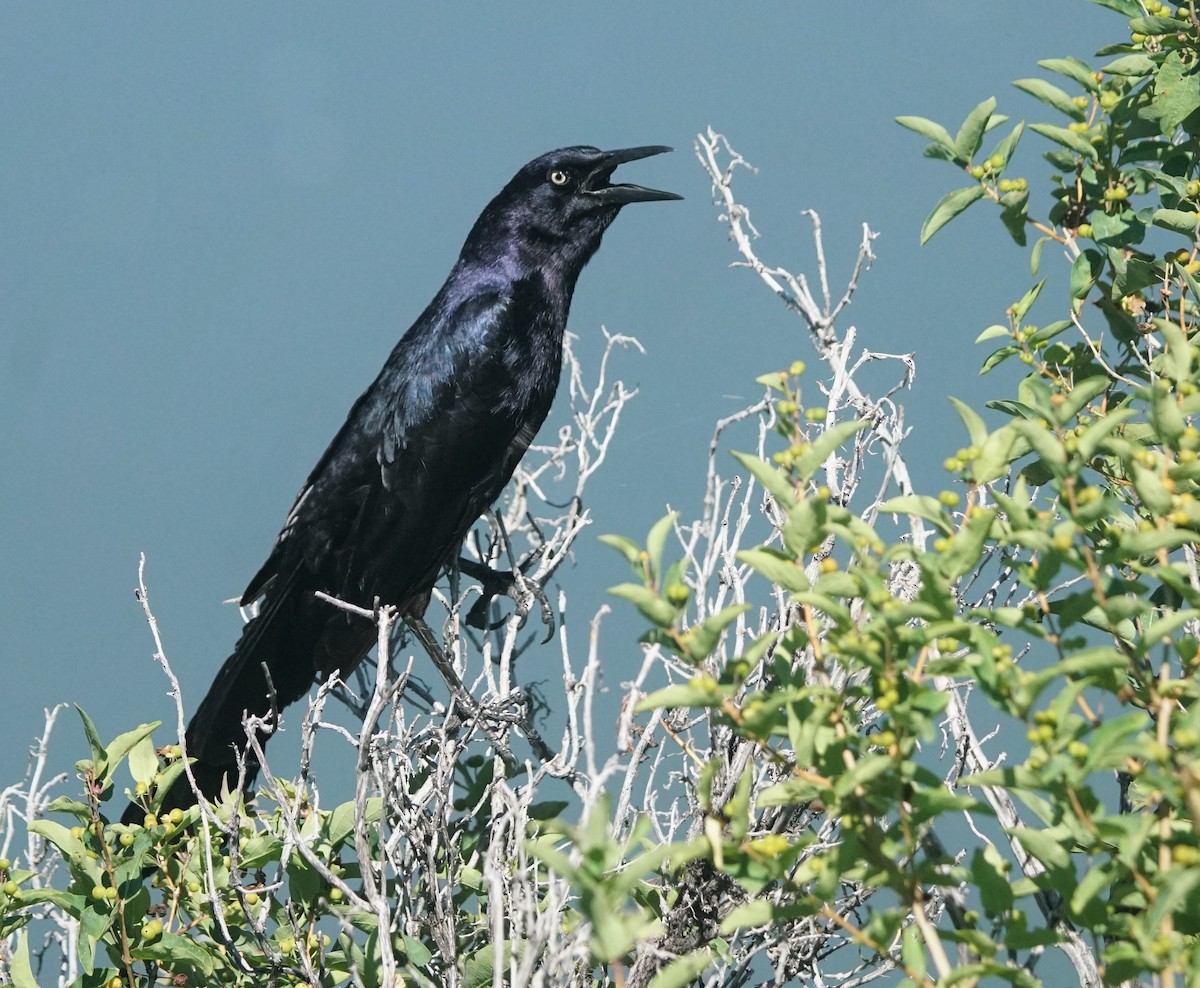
515, 585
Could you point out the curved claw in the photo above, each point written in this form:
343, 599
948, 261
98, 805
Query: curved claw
519, 588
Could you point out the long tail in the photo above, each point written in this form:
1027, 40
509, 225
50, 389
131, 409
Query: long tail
294, 637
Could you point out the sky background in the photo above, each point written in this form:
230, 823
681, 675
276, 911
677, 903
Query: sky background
217, 219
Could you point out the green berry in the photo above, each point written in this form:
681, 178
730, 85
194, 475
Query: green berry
99, 893
678, 594
4, 864
948, 498
11, 887
152, 930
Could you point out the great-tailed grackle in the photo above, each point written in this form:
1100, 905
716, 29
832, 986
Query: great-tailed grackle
424, 452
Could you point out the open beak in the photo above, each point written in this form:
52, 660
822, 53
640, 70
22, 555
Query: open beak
620, 195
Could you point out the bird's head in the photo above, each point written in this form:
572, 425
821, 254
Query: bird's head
558, 206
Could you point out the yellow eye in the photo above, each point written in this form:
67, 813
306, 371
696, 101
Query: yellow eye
560, 177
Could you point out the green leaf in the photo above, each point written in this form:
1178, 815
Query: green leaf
757, 912
1146, 543
1014, 215
821, 448
966, 547
990, 876
143, 762
1083, 392
1043, 846
700, 691
976, 429
93, 739
702, 638
1051, 95
1130, 65
627, 548
776, 566
1035, 257
417, 952
1026, 303
72, 848
1176, 89
656, 541
970, 134
775, 482
912, 951
1117, 229
927, 128
996, 452
172, 950
1173, 894
1004, 150
1096, 879
996, 330
1072, 68
684, 969
1176, 219
1085, 269
949, 207
1067, 138
478, 968
922, 506
1129, 8
20, 971
651, 605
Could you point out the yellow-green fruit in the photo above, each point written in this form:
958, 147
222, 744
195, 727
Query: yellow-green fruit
4, 863
1084, 229
678, 594
1185, 854
287, 945
126, 839
152, 930
829, 565
149, 820
176, 815
11, 887
99, 893
336, 895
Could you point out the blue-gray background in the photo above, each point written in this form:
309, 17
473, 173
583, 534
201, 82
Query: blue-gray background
216, 220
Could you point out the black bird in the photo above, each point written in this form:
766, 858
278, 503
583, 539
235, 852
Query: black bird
424, 452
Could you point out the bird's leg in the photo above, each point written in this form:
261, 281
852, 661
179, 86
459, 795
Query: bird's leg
513, 584
462, 696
